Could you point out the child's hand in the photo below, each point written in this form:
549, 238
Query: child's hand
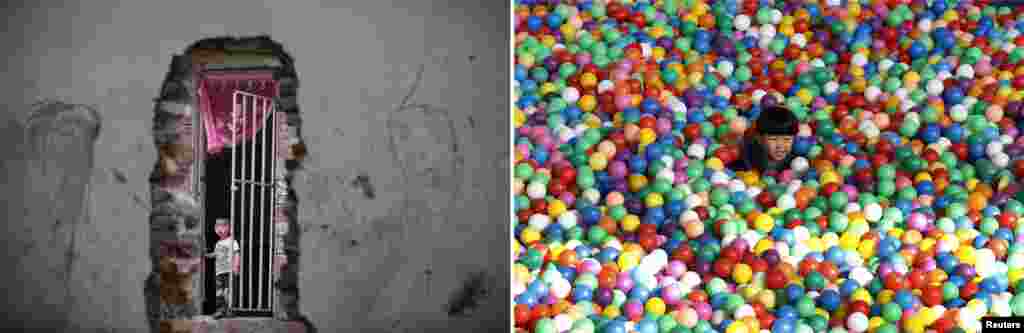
236, 263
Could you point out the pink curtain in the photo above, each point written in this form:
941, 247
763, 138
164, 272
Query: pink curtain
216, 91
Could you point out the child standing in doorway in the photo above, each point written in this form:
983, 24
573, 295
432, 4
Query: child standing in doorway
226, 253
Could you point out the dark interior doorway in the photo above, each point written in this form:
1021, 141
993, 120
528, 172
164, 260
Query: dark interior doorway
217, 179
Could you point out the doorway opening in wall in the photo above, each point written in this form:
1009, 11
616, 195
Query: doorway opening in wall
240, 169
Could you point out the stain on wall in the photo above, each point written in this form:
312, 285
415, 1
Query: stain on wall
423, 214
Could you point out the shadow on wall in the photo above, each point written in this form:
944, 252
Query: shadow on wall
57, 147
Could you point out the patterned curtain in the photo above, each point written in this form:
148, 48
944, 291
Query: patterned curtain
216, 91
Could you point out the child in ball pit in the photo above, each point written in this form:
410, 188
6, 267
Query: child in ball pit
769, 148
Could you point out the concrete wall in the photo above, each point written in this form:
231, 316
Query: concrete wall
393, 261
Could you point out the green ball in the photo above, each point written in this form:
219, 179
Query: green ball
805, 306
815, 281
545, 325
892, 312
574, 233
838, 200
596, 235
523, 171
617, 212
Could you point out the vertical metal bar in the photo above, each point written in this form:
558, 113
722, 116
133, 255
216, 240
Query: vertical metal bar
273, 191
232, 290
252, 198
263, 194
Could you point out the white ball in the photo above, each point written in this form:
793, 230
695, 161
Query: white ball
570, 94
741, 22
666, 174
872, 93
603, 86
934, 87
568, 219
857, 322
800, 164
1005, 139
943, 75
833, 3
725, 67
859, 60
799, 40
776, 16
958, 113
767, 32
719, 178
536, 190
691, 279
925, 25
831, 87
901, 93
592, 195
965, 71
862, 275
646, 50
743, 311
563, 323
753, 191
873, 212
885, 64
1001, 160
696, 151
736, 185
539, 221
993, 147
758, 94
689, 216
786, 202
970, 101
561, 288
518, 186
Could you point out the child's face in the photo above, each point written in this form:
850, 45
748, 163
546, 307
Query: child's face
777, 146
223, 230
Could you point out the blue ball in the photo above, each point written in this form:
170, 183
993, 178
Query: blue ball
615, 326
829, 300
527, 298
582, 293
646, 326
608, 254
534, 23
794, 292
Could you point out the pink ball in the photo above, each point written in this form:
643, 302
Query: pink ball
633, 310
524, 131
688, 317
590, 265
624, 282
851, 192
623, 101
671, 294
802, 67
917, 221
983, 67
582, 59
556, 157
662, 239
819, 102
617, 169
902, 182
676, 268
663, 126
620, 75
786, 176
703, 310
567, 198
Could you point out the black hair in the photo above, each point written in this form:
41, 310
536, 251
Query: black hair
776, 120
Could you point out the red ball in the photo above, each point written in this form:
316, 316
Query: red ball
522, 314
723, 267
859, 306
683, 253
775, 279
766, 199
931, 296
894, 281
917, 279
648, 241
968, 290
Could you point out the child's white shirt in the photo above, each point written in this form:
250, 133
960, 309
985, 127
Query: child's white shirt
224, 252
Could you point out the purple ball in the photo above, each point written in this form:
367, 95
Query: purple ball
771, 256
769, 101
966, 271
702, 267
604, 296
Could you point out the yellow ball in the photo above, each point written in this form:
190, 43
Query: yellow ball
804, 96
736, 327
764, 223
568, 31
766, 298
529, 235
647, 136
866, 248
637, 182
875, 322
548, 88
654, 200
966, 255
556, 208
742, 273
630, 223
861, 295
587, 103
655, 306
516, 248
1015, 275
611, 311
829, 177
763, 245
598, 161
885, 296
715, 164
591, 120
628, 260
520, 117
522, 274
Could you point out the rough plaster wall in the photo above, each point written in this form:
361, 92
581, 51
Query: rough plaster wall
363, 265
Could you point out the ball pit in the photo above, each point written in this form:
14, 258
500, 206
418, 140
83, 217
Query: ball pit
901, 212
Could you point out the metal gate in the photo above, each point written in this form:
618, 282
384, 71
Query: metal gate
254, 136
